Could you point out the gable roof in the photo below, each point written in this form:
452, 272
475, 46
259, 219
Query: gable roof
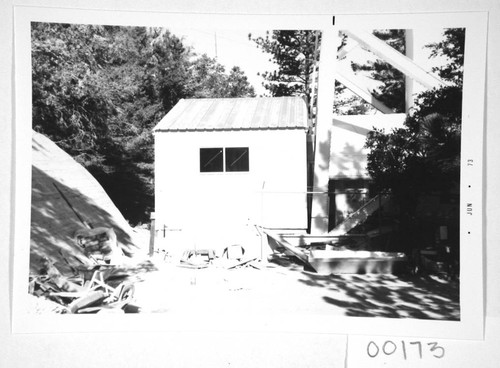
218, 114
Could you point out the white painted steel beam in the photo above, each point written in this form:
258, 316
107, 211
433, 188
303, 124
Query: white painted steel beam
396, 59
348, 81
326, 95
347, 49
409, 82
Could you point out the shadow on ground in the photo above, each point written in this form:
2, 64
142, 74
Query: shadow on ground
389, 296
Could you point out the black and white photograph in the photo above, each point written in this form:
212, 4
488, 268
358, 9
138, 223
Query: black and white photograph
197, 170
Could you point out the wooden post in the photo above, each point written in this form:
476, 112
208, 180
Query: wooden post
324, 117
312, 114
152, 235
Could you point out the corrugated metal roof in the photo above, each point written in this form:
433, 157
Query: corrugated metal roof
204, 114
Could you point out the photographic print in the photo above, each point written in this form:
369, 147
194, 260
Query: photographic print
253, 171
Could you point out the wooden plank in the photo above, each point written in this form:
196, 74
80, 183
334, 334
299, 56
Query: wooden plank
70, 294
314, 77
241, 263
309, 239
88, 300
152, 235
297, 252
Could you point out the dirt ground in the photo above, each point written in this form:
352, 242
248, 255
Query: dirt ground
283, 286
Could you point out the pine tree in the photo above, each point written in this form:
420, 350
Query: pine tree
98, 91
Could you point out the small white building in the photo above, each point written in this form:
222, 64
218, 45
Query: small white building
225, 165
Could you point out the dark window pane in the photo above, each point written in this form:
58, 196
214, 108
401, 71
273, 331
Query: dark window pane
211, 160
237, 159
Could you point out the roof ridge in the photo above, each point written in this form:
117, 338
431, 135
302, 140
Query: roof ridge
243, 98
220, 114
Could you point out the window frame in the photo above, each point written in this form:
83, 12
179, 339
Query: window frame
224, 167
246, 162
218, 167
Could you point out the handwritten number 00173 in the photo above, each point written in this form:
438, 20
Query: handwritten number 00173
389, 347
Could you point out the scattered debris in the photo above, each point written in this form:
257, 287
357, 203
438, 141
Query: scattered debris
42, 305
197, 258
78, 293
243, 263
232, 257
234, 251
99, 244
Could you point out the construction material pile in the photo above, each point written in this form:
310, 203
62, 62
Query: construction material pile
79, 240
232, 257
87, 290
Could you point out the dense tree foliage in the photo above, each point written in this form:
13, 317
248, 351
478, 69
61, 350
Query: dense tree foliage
452, 47
294, 54
423, 157
208, 79
392, 89
99, 90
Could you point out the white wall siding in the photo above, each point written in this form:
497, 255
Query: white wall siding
216, 202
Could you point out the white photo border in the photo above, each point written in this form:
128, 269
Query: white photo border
470, 325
